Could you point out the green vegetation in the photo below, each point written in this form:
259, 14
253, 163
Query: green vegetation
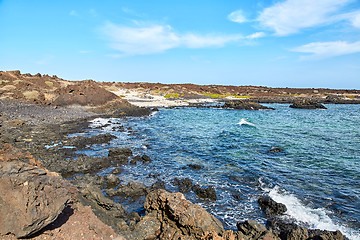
172, 95
50, 84
214, 95
3, 81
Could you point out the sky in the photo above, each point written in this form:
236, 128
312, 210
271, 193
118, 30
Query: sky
274, 43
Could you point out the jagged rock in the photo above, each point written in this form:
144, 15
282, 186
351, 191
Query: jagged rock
195, 166
144, 158
82, 142
119, 155
112, 180
244, 105
271, 207
208, 192
178, 217
132, 189
108, 211
253, 230
307, 104
31, 198
83, 164
184, 184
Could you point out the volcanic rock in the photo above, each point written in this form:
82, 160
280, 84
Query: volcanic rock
30, 199
208, 192
108, 211
184, 184
271, 207
171, 216
307, 104
244, 105
119, 155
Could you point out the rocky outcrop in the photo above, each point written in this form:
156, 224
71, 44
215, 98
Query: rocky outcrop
109, 212
246, 105
31, 198
271, 207
307, 104
171, 216
85, 93
120, 155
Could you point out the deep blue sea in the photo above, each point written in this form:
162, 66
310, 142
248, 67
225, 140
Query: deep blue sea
317, 175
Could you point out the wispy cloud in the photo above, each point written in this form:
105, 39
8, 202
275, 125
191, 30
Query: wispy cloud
74, 13
237, 16
321, 50
45, 60
291, 16
159, 38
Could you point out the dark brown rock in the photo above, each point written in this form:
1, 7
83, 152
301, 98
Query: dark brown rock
184, 184
246, 105
307, 104
271, 207
31, 198
119, 155
205, 192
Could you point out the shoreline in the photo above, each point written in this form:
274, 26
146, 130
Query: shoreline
28, 127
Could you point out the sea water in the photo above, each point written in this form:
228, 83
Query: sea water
316, 175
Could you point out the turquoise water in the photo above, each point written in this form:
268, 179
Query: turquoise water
317, 175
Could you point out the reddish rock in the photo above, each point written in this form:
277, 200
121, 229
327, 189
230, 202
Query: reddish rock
30, 198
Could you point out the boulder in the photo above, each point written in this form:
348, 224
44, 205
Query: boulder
246, 105
307, 104
205, 192
178, 218
119, 155
104, 208
184, 184
31, 198
271, 207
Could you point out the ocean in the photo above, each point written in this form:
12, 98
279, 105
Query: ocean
316, 173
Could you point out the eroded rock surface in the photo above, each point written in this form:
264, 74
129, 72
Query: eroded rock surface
31, 198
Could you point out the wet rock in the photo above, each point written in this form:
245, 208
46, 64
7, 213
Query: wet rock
144, 158
307, 104
276, 150
171, 216
119, 155
195, 166
112, 180
271, 207
289, 231
108, 211
30, 198
208, 192
157, 185
246, 105
82, 142
184, 185
132, 189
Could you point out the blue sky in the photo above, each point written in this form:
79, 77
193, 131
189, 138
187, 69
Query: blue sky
275, 43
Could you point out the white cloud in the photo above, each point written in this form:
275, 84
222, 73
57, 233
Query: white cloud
355, 20
256, 35
237, 16
291, 16
158, 38
321, 50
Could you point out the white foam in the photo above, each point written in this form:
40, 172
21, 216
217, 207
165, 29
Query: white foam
315, 218
244, 122
98, 122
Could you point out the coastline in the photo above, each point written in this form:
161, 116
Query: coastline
29, 128
40, 114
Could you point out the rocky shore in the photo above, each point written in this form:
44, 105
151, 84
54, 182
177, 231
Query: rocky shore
51, 191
